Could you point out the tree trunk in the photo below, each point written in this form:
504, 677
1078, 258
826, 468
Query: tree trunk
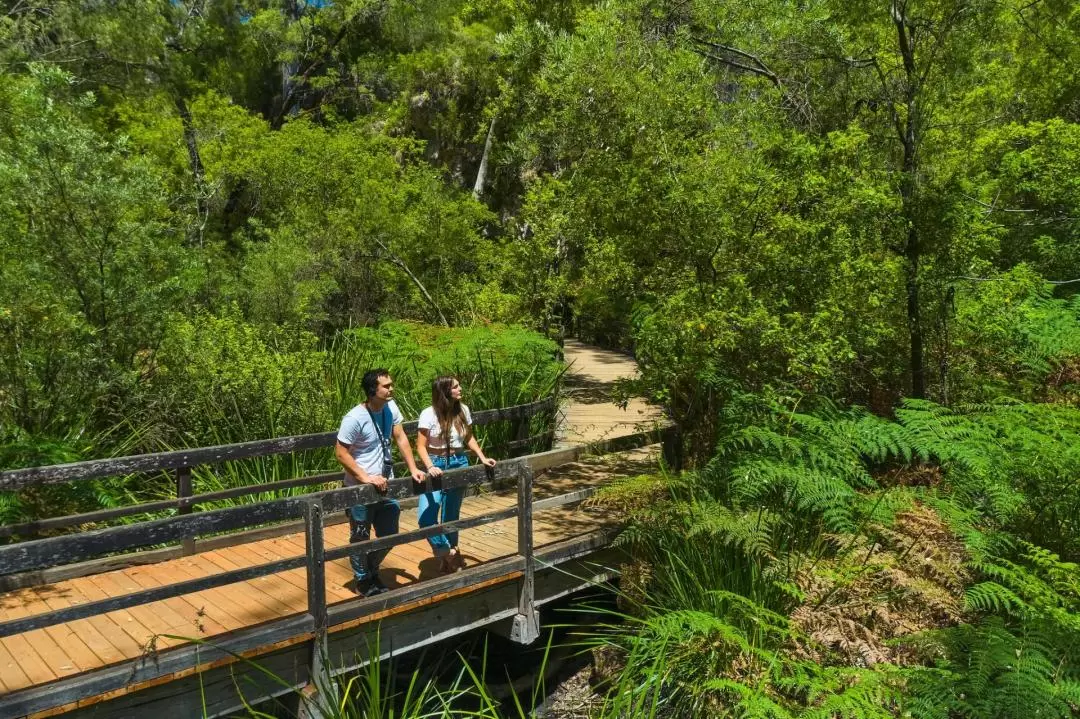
914, 313
481, 174
195, 160
907, 129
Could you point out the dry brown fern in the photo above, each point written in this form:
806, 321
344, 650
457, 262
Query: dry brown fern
891, 582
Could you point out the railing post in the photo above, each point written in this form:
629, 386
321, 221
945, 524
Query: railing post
671, 448
183, 492
320, 690
526, 627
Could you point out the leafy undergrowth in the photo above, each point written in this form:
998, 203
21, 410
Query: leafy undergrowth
836, 564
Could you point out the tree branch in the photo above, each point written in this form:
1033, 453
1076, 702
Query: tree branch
416, 280
760, 68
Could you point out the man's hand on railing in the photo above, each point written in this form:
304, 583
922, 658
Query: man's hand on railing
376, 481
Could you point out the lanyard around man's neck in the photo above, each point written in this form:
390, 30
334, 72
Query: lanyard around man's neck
379, 429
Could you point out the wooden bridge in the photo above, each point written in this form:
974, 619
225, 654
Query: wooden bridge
91, 627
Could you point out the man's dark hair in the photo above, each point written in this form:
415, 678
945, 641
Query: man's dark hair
370, 382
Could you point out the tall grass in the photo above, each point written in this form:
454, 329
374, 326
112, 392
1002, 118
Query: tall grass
450, 688
224, 384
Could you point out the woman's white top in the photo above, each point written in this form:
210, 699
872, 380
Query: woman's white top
430, 421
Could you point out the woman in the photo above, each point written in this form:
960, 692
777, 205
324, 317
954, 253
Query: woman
444, 431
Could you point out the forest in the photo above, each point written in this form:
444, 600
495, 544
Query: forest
840, 237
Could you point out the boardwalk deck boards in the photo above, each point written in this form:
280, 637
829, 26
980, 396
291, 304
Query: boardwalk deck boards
45, 655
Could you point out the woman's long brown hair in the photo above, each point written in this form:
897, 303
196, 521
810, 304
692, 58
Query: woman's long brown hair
448, 410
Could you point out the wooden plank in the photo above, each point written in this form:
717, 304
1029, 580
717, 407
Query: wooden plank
53, 645
192, 606
162, 609
33, 666
179, 609
284, 594
218, 601
12, 676
114, 627
245, 592
29, 663
499, 539
145, 622
102, 650
51, 652
133, 598
269, 550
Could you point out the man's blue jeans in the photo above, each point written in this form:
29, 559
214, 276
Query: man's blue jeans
383, 515
449, 501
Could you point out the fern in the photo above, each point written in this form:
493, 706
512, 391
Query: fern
996, 672
768, 523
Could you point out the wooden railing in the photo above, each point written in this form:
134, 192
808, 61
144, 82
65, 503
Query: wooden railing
312, 508
313, 625
181, 463
53, 551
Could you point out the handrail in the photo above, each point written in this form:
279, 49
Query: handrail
314, 557
182, 462
190, 501
70, 548
14, 479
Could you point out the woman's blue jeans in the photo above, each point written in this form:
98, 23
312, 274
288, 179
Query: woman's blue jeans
448, 501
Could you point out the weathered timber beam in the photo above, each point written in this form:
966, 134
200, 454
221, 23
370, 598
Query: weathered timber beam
43, 525
374, 545
563, 499
105, 515
55, 551
59, 473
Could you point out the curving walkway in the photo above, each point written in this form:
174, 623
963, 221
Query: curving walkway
588, 414
45, 655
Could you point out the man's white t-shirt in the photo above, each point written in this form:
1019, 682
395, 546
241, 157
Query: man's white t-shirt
358, 433
430, 421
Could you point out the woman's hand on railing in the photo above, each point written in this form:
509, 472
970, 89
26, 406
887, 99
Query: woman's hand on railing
487, 462
434, 472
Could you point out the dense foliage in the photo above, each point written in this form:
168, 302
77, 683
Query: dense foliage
219, 380
213, 212
836, 564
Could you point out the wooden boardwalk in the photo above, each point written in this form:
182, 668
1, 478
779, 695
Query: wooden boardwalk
41, 656
588, 414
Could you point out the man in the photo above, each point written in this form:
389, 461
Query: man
363, 449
